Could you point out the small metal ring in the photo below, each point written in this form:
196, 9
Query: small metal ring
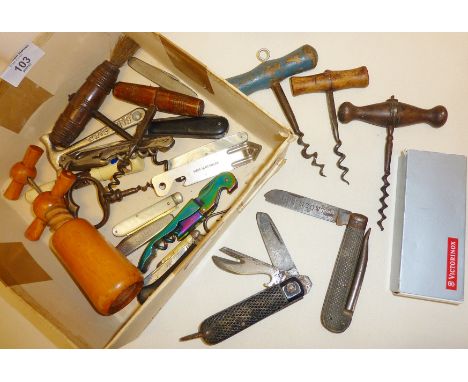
263, 55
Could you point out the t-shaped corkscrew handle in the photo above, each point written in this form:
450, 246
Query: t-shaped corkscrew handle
391, 114
328, 82
45, 200
269, 74
22, 171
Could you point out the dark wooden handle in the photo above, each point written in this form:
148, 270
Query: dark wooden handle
165, 100
392, 113
83, 103
330, 80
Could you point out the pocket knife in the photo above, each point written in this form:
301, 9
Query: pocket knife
286, 287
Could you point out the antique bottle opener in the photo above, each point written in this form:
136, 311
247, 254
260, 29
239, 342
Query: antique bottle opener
204, 162
286, 287
160, 77
100, 156
126, 121
269, 74
328, 82
391, 114
351, 262
196, 211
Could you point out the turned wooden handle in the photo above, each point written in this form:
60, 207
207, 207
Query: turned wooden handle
271, 71
165, 100
87, 99
46, 200
105, 276
392, 113
330, 80
21, 171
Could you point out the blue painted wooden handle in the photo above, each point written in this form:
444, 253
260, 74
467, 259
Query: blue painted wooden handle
266, 73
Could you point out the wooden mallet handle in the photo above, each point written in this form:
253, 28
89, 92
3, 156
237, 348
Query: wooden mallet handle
392, 113
330, 80
46, 200
21, 171
165, 100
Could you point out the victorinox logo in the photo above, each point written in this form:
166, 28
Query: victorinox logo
452, 263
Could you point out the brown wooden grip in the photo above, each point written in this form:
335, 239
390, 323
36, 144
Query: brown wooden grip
330, 80
165, 100
105, 276
392, 113
83, 104
21, 171
46, 200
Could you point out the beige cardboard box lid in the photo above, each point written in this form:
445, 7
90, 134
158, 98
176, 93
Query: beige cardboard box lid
55, 305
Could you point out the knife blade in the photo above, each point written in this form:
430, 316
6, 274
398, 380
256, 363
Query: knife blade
350, 264
160, 77
274, 244
308, 206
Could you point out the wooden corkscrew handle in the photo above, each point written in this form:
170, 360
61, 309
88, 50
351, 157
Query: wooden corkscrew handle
330, 80
165, 100
392, 113
21, 171
88, 98
274, 71
45, 200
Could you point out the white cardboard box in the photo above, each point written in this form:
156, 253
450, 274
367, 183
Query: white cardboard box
57, 306
429, 240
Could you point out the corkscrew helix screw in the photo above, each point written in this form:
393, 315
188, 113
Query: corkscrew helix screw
287, 110
328, 82
269, 74
336, 136
391, 114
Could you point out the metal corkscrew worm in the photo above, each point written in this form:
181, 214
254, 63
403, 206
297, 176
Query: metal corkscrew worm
328, 82
287, 110
336, 136
391, 114
269, 74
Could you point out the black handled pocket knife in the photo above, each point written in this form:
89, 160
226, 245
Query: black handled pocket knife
286, 287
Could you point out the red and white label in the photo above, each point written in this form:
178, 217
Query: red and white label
452, 263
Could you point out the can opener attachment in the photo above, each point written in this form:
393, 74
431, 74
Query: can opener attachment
286, 287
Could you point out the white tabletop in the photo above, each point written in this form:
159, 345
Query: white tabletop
420, 69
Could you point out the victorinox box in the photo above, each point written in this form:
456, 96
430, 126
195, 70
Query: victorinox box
31, 276
429, 240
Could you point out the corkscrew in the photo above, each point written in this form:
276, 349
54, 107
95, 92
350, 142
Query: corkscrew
269, 74
391, 114
328, 82
112, 194
84, 104
196, 211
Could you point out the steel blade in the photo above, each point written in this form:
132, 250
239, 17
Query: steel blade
274, 244
160, 77
308, 206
